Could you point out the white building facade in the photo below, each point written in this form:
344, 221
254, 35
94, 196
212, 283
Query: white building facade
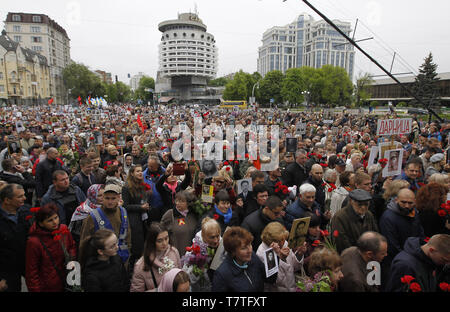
43, 35
306, 42
188, 57
134, 81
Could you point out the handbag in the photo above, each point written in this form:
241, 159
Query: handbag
67, 287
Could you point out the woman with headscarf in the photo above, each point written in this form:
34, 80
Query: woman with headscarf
94, 200
176, 280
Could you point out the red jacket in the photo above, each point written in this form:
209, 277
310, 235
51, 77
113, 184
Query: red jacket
40, 274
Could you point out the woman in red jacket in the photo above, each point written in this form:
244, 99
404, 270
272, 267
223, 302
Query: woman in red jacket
50, 246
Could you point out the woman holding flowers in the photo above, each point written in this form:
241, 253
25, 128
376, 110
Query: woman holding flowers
324, 271
136, 197
158, 258
49, 248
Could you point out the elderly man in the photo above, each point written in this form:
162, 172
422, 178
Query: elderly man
296, 173
353, 220
152, 174
316, 179
371, 246
305, 206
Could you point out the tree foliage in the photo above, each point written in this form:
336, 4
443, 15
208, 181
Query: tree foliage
240, 87
425, 85
145, 83
82, 82
219, 82
362, 93
270, 87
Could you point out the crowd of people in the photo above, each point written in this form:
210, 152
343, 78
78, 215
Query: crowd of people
101, 186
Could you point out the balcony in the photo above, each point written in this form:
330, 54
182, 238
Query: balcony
14, 80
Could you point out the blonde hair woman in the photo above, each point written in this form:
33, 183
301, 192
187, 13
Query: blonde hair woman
275, 236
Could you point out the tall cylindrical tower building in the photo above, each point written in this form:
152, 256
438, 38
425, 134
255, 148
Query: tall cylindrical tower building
187, 57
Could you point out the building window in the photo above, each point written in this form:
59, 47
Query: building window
2, 88
18, 38
16, 28
1, 76
37, 19
36, 39
36, 48
35, 29
16, 18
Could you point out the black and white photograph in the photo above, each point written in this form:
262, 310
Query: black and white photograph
19, 126
394, 165
270, 262
207, 193
121, 140
373, 158
299, 230
291, 145
98, 138
244, 186
209, 168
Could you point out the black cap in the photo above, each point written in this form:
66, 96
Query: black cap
360, 195
340, 162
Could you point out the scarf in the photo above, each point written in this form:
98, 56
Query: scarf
90, 204
243, 267
227, 216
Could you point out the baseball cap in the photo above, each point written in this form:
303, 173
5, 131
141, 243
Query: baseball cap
437, 157
113, 188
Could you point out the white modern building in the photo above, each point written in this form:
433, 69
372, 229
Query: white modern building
134, 81
306, 42
187, 58
43, 35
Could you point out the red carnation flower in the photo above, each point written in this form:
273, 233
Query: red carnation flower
163, 148
277, 190
57, 238
28, 218
246, 155
226, 163
146, 186
325, 233
442, 213
285, 191
35, 209
336, 233
444, 287
236, 162
407, 279
228, 169
278, 184
323, 184
216, 216
91, 138
426, 239
420, 183
324, 165
196, 249
415, 287
315, 243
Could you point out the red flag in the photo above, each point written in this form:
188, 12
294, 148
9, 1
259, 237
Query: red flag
139, 121
79, 100
50, 101
89, 99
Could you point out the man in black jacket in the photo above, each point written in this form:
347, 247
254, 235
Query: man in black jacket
14, 173
316, 179
13, 235
295, 173
256, 221
419, 260
44, 172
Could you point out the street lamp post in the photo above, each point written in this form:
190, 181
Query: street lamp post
306, 95
253, 91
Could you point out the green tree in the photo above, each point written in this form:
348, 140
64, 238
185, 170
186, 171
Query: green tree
337, 88
425, 85
219, 82
145, 83
82, 82
240, 88
363, 82
301, 84
270, 87
118, 92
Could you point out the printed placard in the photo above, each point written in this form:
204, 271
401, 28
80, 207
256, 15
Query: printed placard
244, 186
270, 262
207, 193
394, 126
394, 164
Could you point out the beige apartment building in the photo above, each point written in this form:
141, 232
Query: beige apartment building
43, 35
24, 74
